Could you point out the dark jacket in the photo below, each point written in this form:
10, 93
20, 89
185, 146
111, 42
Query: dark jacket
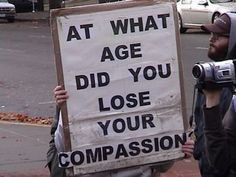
199, 149
220, 135
52, 158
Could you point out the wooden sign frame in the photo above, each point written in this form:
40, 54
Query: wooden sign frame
55, 14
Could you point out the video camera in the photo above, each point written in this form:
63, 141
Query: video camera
213, 75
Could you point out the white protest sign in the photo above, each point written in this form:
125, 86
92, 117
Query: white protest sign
121, 72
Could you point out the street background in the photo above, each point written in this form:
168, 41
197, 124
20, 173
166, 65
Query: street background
27, 78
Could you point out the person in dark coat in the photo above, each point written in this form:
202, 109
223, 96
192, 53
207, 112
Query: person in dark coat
222, 46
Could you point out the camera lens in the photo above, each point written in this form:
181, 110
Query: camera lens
197, 71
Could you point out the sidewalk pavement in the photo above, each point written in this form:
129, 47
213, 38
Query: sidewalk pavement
24, 146
183, 168
23, 150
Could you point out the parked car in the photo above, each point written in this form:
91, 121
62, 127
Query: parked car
7, 11
194, 13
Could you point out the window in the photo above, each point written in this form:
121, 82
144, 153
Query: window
186, 1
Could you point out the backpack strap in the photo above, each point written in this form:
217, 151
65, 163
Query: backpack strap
234, 103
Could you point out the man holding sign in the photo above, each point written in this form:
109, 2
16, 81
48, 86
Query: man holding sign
57, 146
121, 109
